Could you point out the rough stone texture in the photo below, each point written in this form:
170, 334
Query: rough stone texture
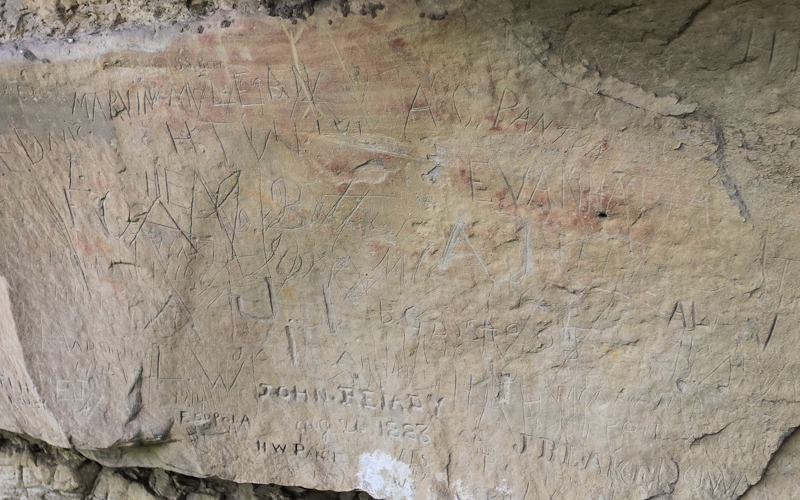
518, 250
782, 479
35, 470
25, 21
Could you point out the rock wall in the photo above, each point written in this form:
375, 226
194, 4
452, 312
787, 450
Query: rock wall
36, 470
456, 250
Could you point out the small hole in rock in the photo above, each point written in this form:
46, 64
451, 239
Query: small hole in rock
602, 215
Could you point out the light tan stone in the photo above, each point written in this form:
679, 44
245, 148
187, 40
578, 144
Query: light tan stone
64, 478
162, 484
202, 496
10, 475
244, 492
516, 252
137, 491
110, 486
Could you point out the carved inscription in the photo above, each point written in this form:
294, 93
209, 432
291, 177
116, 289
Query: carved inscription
322, 254
345, 396
300, 451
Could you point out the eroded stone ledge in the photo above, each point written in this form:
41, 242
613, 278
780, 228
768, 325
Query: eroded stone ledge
32, 469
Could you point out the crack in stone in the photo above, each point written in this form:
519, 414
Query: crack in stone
689, 22
718, 159
696, 440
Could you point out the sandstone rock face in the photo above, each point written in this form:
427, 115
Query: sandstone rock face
522, 251
35, 470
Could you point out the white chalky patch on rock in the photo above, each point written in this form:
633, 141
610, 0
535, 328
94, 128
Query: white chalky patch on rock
382, 476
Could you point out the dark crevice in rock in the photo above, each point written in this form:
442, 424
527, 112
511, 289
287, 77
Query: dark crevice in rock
70, 19
689, 21
290, 9
725, 177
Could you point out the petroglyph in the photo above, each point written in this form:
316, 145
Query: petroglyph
349, 255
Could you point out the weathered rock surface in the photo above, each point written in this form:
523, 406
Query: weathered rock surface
521, 251
35, 470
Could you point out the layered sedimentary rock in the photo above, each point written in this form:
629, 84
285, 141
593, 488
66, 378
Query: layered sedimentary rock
452, 251
35, 470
